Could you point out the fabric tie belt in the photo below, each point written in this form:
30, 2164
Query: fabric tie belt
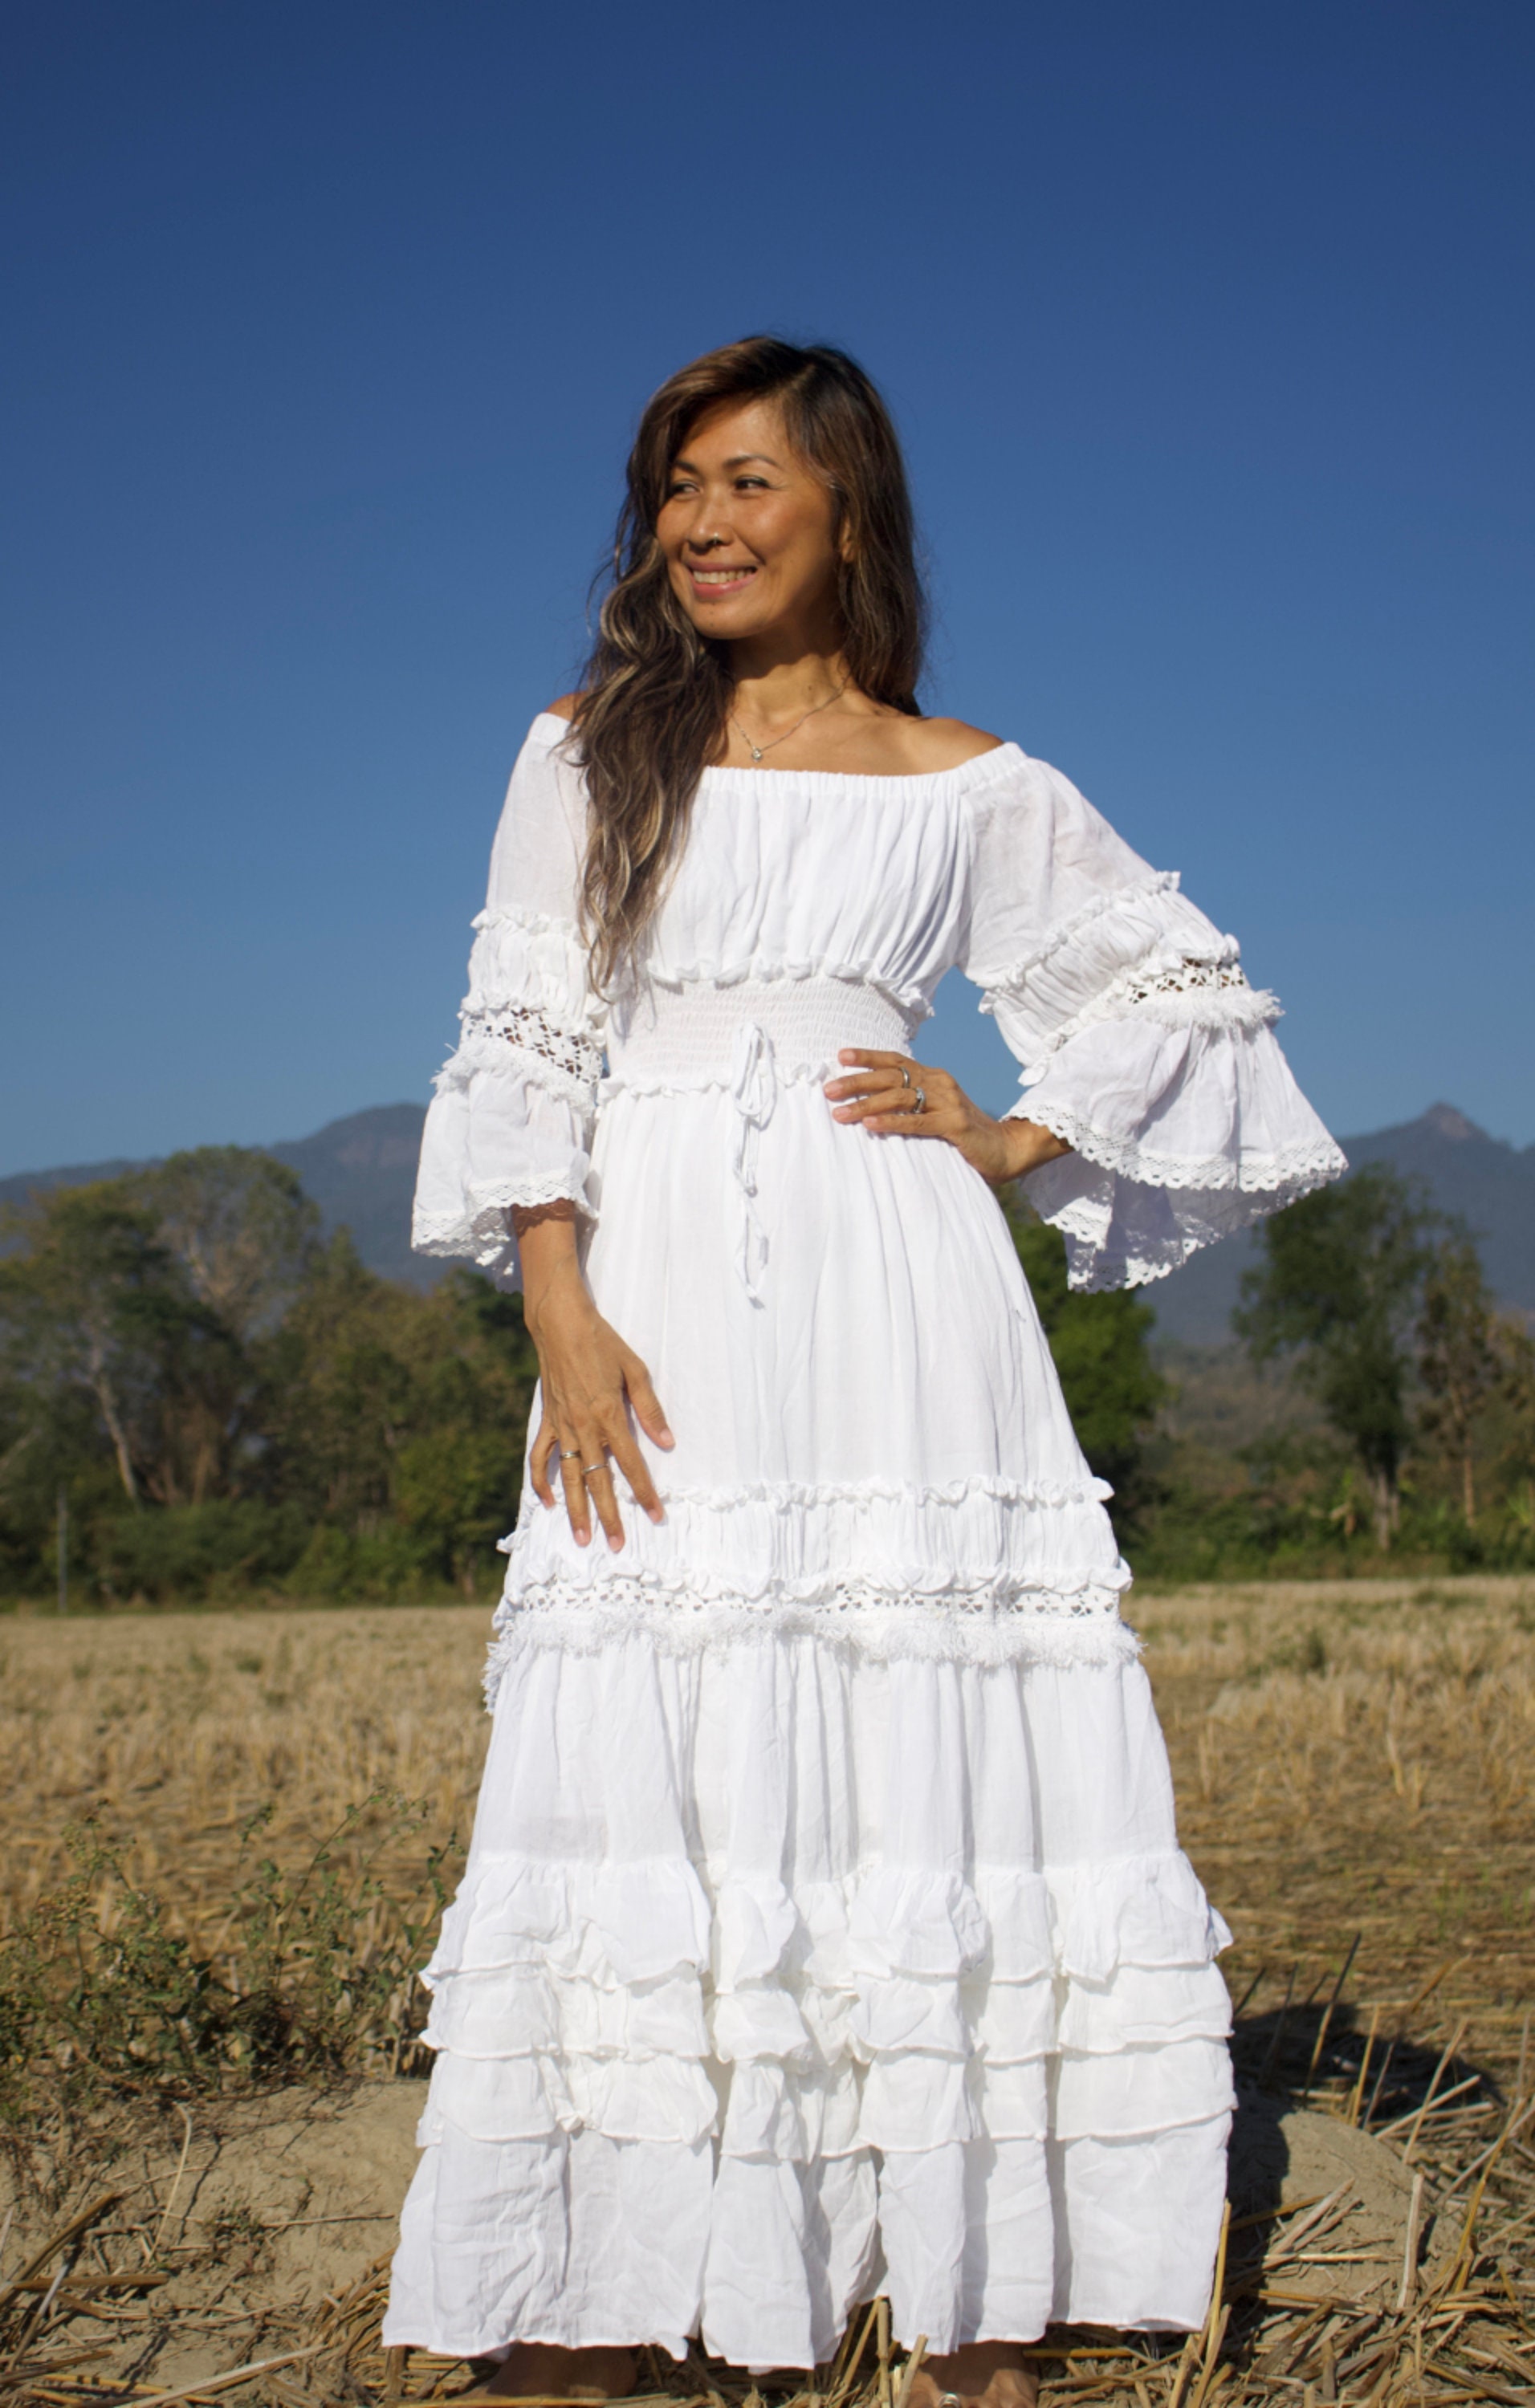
749, 1040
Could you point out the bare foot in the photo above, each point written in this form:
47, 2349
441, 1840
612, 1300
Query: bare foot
536, 2370
983, 2375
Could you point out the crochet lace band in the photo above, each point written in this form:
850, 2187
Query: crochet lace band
985, 1570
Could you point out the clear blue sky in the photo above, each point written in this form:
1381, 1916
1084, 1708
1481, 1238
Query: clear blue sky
1208, 329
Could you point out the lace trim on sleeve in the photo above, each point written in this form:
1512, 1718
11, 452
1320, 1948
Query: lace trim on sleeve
569, 1052
518, 1037
1292, 1172
1178, 992
482, 1228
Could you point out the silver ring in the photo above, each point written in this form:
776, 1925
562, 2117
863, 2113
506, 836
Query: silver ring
567, 1451
905, 1076
587, 1469
948, 2400
920, 1105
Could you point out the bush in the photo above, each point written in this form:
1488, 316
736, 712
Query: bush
350, 1567
221, 1549
98, 1992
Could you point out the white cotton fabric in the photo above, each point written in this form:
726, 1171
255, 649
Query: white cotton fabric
825, 1929
779, 1975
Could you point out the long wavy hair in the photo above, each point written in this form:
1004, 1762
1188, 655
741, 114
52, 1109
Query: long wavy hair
655, 694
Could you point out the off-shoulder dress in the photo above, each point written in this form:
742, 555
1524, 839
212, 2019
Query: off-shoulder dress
825, 1929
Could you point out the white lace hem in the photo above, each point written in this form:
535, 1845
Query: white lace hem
793, 1496
1005, 1621
1277, 1178
1130, 1215
481, 1231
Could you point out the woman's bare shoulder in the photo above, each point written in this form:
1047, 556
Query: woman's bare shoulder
946, 743
564, 708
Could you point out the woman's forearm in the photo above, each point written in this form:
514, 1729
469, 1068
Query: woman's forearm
546, 1241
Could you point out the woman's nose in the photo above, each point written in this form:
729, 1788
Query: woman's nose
707, 531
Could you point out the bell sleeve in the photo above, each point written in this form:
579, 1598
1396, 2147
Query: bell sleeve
1140, 1041
511, 1118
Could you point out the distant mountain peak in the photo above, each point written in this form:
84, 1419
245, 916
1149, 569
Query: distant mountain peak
1442, 1120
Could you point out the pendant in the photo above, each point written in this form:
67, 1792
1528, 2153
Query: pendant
756, 752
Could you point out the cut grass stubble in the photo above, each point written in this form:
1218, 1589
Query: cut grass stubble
1356, 1771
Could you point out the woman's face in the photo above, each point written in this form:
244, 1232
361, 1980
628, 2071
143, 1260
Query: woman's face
747, 529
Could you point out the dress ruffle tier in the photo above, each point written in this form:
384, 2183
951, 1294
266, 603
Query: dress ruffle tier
779, 1976
985, 1570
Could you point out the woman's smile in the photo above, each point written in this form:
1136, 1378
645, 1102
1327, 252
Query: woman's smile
721, 581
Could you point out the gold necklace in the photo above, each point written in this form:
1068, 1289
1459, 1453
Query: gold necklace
756, 751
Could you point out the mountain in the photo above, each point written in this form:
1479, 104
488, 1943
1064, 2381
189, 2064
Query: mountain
361, 1171
1490, 1185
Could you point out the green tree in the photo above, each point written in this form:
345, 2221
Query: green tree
1339, 1288
400, 1418
1100, 1347
96, 1306
226, 1402
1461, 1361
241, 1225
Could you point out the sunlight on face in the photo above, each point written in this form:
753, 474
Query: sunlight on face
747, 528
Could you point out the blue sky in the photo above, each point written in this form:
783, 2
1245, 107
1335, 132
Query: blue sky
1209, 331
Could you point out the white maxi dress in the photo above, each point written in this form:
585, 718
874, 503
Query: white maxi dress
825, 1929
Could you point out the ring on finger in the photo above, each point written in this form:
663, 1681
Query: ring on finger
588, 1469
918, 1101
905, 1076
569, 1453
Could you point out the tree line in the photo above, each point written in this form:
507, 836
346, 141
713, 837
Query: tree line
201, 1396
1381, 1303
222, 1400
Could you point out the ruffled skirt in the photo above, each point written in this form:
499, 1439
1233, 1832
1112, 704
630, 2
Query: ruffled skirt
782, 1975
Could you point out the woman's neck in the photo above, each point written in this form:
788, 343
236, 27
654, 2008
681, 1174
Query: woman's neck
771, 690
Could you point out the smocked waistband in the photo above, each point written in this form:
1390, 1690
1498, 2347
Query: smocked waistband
691, 1037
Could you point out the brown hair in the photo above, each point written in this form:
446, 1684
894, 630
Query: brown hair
656, 692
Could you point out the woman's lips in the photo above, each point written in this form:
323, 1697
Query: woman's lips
721, 580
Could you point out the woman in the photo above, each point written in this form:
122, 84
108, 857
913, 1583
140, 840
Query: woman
825, 1929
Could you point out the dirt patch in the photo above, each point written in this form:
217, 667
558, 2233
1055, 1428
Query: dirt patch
248, 2219
1320, 2210
267, 2211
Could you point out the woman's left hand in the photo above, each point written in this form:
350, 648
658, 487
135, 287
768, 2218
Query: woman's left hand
893, 1096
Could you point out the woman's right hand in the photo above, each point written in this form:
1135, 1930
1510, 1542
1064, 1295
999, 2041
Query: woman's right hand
589, 1381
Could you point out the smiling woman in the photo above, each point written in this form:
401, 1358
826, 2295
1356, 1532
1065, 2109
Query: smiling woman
762, 576
825, 1930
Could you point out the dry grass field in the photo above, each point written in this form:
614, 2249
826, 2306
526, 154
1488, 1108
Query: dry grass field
1359, 1759
173, 1730
1356, 1770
